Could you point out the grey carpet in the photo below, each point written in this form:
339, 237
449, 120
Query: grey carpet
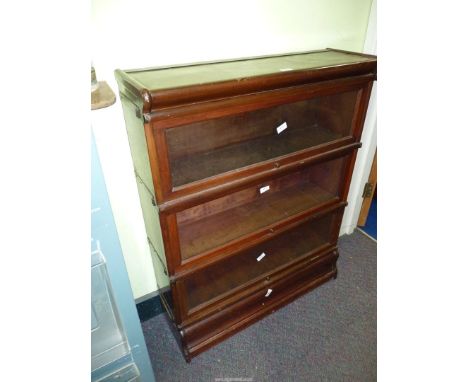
329, 334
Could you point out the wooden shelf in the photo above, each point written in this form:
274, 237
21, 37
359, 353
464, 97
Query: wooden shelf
230, 275
201, 235
202, 165
231, 183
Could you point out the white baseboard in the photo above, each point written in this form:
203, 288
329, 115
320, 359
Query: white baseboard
147, 296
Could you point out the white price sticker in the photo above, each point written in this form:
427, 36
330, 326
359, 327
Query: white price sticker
268, 292
264, 189
261, 256
281, 127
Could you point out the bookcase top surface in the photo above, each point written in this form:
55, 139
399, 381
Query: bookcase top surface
210, 72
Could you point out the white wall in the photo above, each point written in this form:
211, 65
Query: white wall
365, 155
143, 33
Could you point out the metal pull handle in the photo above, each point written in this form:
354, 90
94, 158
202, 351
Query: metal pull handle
268, 292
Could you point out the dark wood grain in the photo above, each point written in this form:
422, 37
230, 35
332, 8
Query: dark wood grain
198, 263
212, 224
237, 107
212, 143
205, 333
171, 117
208, 148
231, 275
251, 175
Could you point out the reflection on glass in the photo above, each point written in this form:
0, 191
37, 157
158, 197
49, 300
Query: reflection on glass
211, 147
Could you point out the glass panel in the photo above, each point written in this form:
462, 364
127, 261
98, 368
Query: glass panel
256, 262
204, 149
212, 224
